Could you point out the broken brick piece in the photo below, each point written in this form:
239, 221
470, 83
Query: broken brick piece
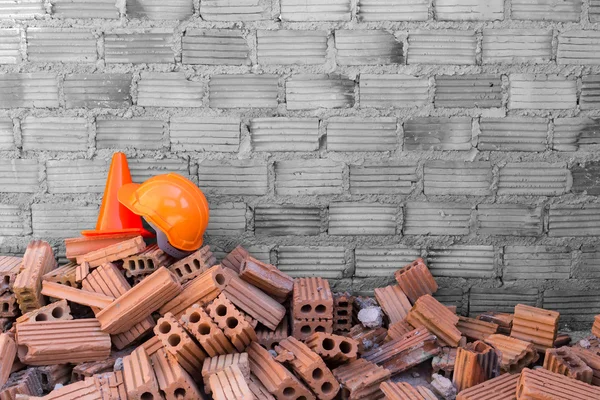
312, 299
267, 278
82, 245
180, 344
562, 339
152, 345
543, 384
361, 379
394, 302
108, 280
147, 261
111, 385
269, 338
52, 375
367, 338
343, 304
229, 384
515, 354
9, 268
259, 390
59, 310
114, 252
535, 325
234, 259
503, 320
303, 328
233, 324
139, 376
475, 363
596, 326
592, 359
89, 369
475, 329
217, 364
402, 354
61, 342
398, 329
85, 389
565, 362
503, 387
81, 272
444, 361
434, 316
173, 380
199, 324
37, 261
415, 280
400, 391
8, 353
310, 367
202, 290
139, 302
83, 297
9, 308
333, 348
65, 275
275, 377
193, 265
254, 302
26, 382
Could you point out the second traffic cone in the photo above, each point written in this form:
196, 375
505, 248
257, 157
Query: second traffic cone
115, 218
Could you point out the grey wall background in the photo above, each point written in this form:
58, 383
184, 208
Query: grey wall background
340, 138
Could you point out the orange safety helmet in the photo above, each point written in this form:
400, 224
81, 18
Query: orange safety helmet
174, 206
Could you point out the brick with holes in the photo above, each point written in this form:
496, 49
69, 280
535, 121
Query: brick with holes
147, 261
235, 327
199, 324
193, 265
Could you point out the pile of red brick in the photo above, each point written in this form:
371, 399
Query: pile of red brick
126, 321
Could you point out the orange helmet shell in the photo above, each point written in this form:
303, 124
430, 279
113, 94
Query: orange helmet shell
173, 204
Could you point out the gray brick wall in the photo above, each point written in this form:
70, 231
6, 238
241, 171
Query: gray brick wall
340, 138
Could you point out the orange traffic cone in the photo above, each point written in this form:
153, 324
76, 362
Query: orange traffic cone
115, 218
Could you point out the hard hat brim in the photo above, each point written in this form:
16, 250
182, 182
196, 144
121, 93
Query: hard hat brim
128, 197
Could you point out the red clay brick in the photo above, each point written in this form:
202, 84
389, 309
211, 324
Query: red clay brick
402, 354
152, 345
147, 261
267, 278
81, 272
37, 261
535, 325
434, 316
229, 384
503, 387
89, 369
173, 380
254, 302
394, 302
312, 299
61, 342
342, 312
475, 364
65, 275
114, 252
596, 326
310, 367
333, 348
444, 361
26, 382
212, 339
139, 376
565, 362
52, 312
9, 308
259, 390
543, 384
202, 290
193, 265
138, 303
111, 385
180, 344
415, 280
503, 320
515, 354
9, 268
217, 364
83, 297
360, 379
475, 329
275, 377
269, 338
8, 353
398, 329
400, 391
52, 375
367, 338
592, 359
303, 328
87, 244
234, 259
233, 324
